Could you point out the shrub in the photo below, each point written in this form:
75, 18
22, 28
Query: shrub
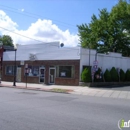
127, 76
114, 75
86, 75
122, 75
107, 76
98, 77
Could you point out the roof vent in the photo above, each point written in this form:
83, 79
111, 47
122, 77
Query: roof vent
62, 44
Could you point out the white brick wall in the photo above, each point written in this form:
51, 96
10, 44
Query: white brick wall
104, 60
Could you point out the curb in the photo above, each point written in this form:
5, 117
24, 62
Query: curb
37, 89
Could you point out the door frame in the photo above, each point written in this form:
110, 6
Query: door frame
54, 74
39, 74
20, 74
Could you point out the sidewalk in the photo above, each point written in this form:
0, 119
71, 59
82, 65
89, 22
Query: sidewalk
41, 87
97, 92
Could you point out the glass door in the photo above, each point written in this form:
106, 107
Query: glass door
42, 75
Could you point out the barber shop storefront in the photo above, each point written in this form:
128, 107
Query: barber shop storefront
55, 70
48, 72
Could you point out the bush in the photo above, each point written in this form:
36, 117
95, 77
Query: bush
86, 75
98, 77
107, 76
114, 75
127, 76
122, 75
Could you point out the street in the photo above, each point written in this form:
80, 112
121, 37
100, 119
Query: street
22, 109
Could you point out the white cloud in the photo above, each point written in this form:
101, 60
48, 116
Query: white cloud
6, 22
43, 30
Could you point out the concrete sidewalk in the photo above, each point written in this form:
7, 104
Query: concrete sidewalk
98, 92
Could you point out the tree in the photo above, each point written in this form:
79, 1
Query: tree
127, 78
107, 76
109, 31
122, 75
6, 40
114, 75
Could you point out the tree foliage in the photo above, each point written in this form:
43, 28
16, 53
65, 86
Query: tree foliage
107, 76
122, 75
127, 78
6, 40
110, 31
114, 74
86, 75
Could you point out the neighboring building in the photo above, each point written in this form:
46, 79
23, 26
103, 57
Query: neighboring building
51, 64
105, 61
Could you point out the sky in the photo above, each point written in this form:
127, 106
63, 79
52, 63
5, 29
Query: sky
42, 21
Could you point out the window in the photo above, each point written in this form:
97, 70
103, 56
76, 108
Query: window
33, 70
9, 70
65, 71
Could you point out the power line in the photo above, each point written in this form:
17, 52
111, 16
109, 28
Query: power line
20, 34
24, 36
30, 37
33, 15
28, 14
19, 12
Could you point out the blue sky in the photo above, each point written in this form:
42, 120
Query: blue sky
65, 14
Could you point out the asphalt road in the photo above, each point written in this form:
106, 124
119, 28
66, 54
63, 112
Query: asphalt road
35, 110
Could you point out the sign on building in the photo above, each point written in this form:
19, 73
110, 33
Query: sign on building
21, 62
32, 57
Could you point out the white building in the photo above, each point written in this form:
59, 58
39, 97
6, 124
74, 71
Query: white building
56, 65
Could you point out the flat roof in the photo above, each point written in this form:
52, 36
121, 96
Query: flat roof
43, 51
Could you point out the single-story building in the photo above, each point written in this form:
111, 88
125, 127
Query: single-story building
51, 64
46, 63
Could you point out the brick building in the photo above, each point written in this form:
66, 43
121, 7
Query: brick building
46, 63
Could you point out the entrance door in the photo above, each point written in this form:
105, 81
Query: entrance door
42, 75
18, 76
52, 75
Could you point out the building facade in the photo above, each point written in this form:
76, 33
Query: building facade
105, 61
48, 63
42, 63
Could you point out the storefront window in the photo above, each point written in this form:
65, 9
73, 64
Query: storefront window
9, 70
65, 71
33, 70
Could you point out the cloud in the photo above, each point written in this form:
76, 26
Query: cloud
42, 30
6, 22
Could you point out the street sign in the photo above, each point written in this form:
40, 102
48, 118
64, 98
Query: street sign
94, 68
95, 62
